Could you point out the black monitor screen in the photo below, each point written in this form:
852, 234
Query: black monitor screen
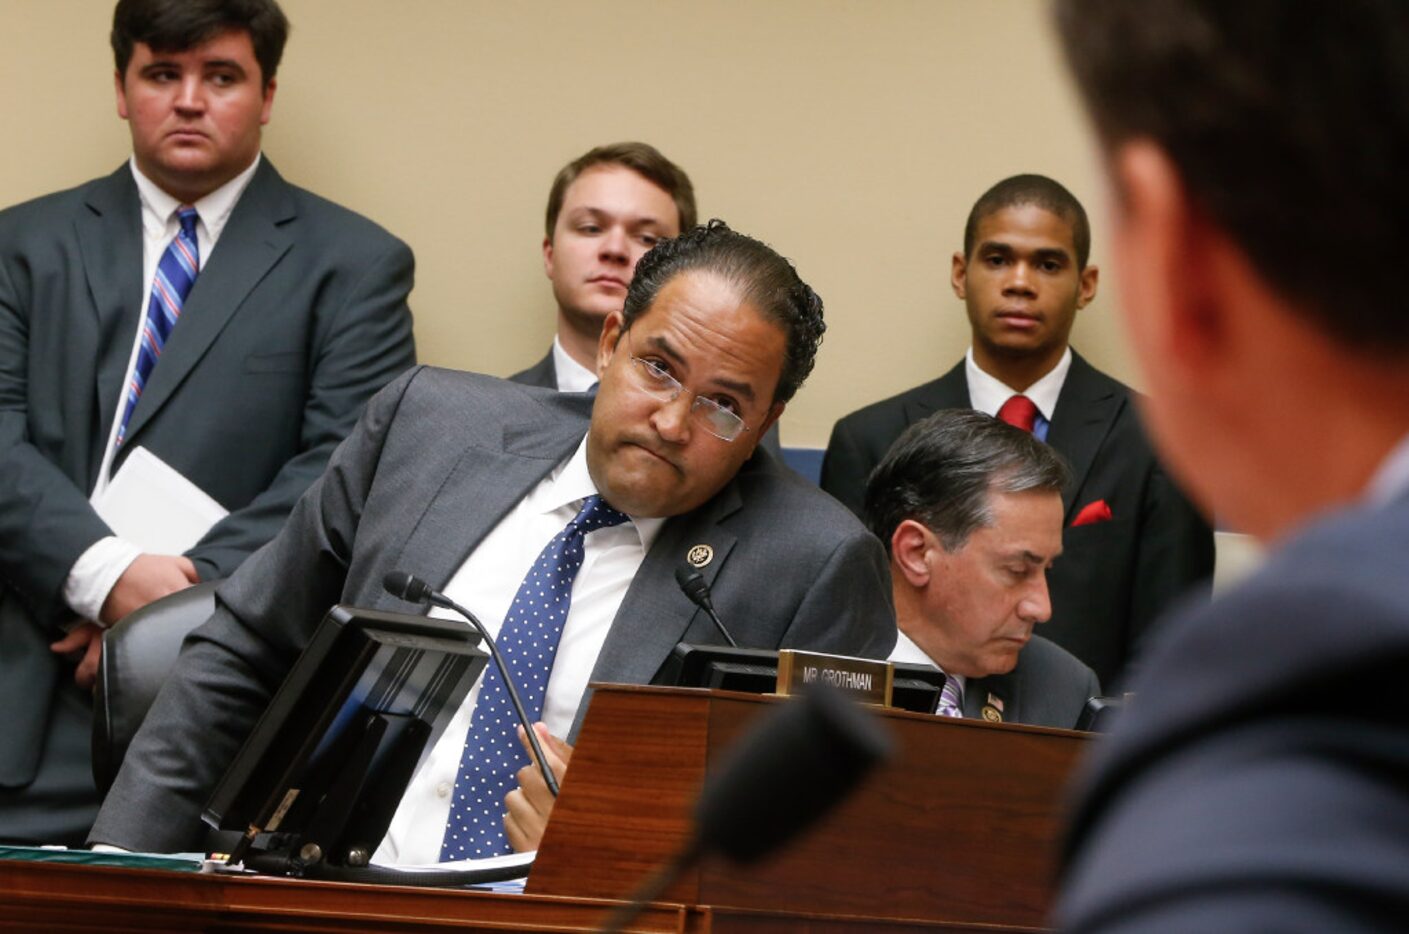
360, 708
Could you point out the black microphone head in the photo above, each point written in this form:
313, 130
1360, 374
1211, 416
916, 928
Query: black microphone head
692, 582
804, 757
408, 587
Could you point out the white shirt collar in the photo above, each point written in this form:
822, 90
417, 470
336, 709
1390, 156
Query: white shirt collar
159, 207
907, 651
571, 482
1391, 480
572, 376
987, 393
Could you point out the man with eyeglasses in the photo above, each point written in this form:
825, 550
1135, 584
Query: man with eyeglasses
472, 483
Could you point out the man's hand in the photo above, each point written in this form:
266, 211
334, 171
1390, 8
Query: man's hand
149, 578
84, 642
530, 804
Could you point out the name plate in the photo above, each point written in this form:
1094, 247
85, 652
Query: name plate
865, 679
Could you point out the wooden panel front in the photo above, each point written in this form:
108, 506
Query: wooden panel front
960, 827
63, 898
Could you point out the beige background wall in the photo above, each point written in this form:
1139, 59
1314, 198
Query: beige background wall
851, 134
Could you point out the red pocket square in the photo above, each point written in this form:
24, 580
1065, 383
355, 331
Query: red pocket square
1092, 513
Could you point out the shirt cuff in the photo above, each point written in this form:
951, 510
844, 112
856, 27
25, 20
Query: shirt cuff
94, 574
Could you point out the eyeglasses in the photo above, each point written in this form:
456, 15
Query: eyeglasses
710, 415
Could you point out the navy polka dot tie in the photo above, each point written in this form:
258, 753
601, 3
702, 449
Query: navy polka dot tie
528, 640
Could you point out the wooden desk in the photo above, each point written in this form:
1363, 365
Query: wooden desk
57, 899
986, 795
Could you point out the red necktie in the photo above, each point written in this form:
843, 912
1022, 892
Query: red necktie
1020, 412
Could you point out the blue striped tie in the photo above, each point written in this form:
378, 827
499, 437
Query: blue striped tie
528, 640
176, 273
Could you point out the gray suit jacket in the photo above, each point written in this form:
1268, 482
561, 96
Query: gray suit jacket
1259, 780
1048, 687
1114, 577
299, 314
438, 459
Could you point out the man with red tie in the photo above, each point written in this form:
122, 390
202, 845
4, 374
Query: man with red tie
1132, 543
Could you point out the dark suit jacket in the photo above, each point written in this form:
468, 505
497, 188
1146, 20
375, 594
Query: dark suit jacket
1113, 577
545, 374
1048, 687
438, 459
299, 314
1259, 780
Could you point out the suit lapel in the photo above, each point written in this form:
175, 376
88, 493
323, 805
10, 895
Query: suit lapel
950, 391
482, 487
654, 614
1086, 409
977, 694
110, 243
254, 239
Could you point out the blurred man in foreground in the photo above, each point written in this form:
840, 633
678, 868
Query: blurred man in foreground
1257, 153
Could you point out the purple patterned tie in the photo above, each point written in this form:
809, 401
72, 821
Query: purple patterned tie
951, 699
176, 273
528, 640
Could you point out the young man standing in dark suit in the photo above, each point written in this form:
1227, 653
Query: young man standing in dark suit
606, 208
1259, 779
970, 512
1132, 542
194, 305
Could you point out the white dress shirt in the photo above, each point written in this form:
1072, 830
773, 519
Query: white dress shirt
988, 393
96, 571
572, 376
486, 584
907, 651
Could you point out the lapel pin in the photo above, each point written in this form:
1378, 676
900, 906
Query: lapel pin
700, 555
991, 714
995, 701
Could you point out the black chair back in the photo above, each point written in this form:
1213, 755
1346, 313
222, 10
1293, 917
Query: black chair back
138, 654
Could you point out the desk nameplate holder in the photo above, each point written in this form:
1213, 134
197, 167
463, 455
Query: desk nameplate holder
866, 680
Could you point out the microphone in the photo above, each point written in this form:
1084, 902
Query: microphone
694, 585
412, 589
408, 587
802, 759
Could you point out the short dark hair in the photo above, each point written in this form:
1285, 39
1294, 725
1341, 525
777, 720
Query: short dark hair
943, 469
178, 25
643, 159
1288, 124
1037, 190
762, 276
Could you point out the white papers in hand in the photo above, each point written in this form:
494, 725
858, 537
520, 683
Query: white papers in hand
152, 505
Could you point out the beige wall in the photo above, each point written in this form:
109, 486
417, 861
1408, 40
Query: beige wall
851, 134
